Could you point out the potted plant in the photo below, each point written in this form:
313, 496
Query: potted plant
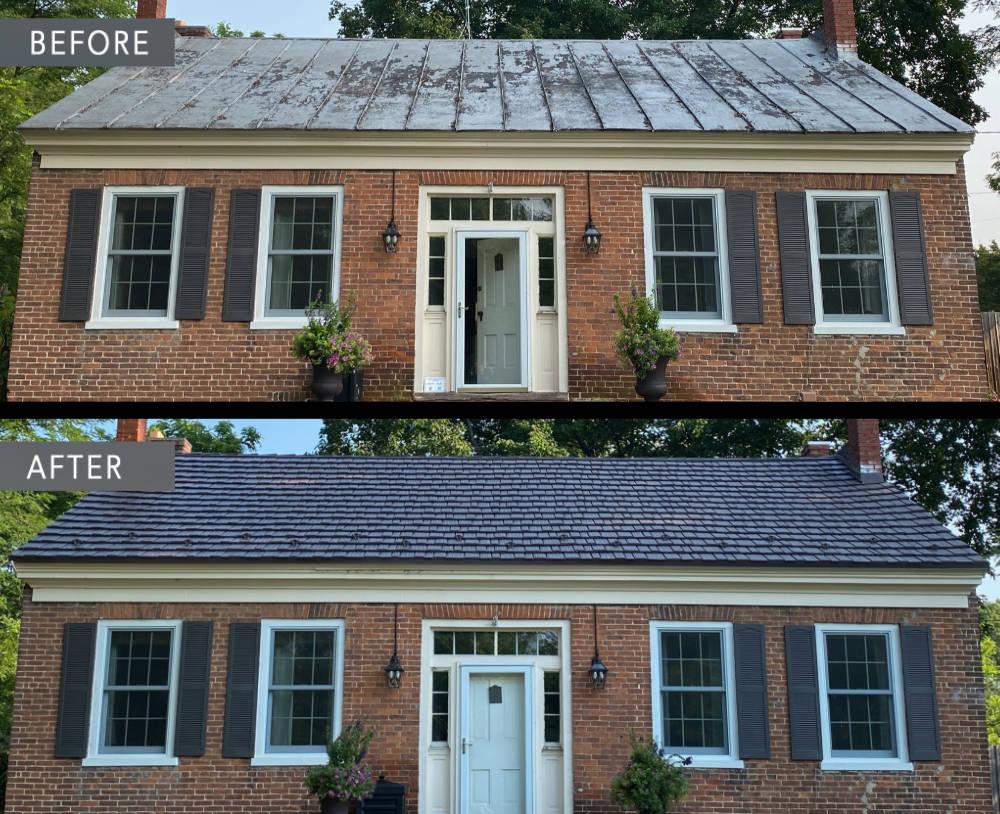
331, 345
652, 781
346, 776
642, 344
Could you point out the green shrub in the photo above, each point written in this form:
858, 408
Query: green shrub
652, 781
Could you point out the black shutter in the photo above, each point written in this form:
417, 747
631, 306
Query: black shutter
744, 256
793, 251
922, 737
751, 691
911, 259
803, 692
192, 694
241, 690
73, 721
196, 242
241, 261
81, 255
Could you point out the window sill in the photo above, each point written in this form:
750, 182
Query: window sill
875, 328
129, 760
865, 765
131, 323
290, 759
713, 762
278, 324
699, 326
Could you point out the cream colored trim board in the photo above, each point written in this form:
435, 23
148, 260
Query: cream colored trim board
582, 584
738, 152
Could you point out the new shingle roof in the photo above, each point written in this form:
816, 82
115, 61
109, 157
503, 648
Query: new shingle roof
769, 86
799, 511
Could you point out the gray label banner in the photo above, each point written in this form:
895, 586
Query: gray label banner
72, 43
87, 466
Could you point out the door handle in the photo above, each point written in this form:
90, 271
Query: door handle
460, 310
480, 315
465, 745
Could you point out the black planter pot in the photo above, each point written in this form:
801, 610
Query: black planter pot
654, 386
326, 384
331, 806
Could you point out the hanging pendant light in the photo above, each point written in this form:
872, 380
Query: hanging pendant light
390, 235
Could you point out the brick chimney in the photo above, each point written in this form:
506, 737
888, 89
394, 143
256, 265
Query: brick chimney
131, 429
862, 453
838, 26
817, 449
151, 10
789, 34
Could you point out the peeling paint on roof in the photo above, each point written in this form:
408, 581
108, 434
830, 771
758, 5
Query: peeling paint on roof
765, 86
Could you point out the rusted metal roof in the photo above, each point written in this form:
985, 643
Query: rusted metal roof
768, 86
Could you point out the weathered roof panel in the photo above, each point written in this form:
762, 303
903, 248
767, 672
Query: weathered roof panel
767, 86
798, 511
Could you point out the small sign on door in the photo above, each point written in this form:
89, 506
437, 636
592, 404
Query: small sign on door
496, 694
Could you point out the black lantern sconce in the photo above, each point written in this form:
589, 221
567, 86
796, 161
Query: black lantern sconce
394, 670
598, 672
390, 235
591, 237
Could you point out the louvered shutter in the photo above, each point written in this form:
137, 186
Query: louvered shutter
751, 691
803, 692
922, 736
241, 260
81, 255
744, 256
911, 259
73, 717
192, 694
241, 690
793, 251
196, 240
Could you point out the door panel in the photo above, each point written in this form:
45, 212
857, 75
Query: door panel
498, 311
496, 746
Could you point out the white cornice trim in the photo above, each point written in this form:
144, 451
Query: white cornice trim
474, 583
923, 153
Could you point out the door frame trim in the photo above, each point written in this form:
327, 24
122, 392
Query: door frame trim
466, 671
458, 334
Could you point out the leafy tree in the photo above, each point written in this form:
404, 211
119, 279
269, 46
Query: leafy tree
988, 276
224, 29
22, 515
917, 42
220, 438
6, 334
993, 179
989, 641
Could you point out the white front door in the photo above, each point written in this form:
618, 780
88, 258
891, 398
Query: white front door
494, 744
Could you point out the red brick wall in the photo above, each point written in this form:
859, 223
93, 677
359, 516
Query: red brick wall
40, 784
210, 359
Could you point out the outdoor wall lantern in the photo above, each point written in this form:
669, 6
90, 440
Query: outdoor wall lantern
394, 670
591, 237
598, 672
390, 235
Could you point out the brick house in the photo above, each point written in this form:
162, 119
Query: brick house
800, 628
800, 218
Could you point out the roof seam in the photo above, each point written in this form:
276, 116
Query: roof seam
461, 85
739, 114
420, 83
222, 113
856, 66
334, 86
583, 84
378, 84
100, 99
670, 87
298, 80
628, 87
541, 84
500, 83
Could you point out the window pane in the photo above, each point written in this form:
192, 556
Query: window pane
506, 643
301, 717
542, 210
298, 280
694, 720
464, 642
527, 644
480, 209
485, 642
439, 209
461, 209
501, 209
548, 643
444, 642
691, 659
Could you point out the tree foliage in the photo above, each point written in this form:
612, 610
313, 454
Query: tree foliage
989, 646
988, 276
220, 438
224, 29
917, 42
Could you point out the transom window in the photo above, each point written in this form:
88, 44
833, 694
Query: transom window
135, 677
300, 684
860, 694
693, 695
686, 268
301, 256
529, 208
497, 642
851, 259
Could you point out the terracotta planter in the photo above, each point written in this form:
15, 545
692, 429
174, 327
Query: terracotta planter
326, 384
654, 386
331, 806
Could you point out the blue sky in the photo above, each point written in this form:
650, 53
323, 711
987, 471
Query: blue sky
310, 18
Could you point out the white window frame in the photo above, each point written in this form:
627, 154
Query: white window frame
723, 324
860, 762
102, 276
263, 757
824, 326
95, 757
261, 321
709, 761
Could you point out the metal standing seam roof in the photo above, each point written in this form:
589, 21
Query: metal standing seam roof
798, 511
764, 86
